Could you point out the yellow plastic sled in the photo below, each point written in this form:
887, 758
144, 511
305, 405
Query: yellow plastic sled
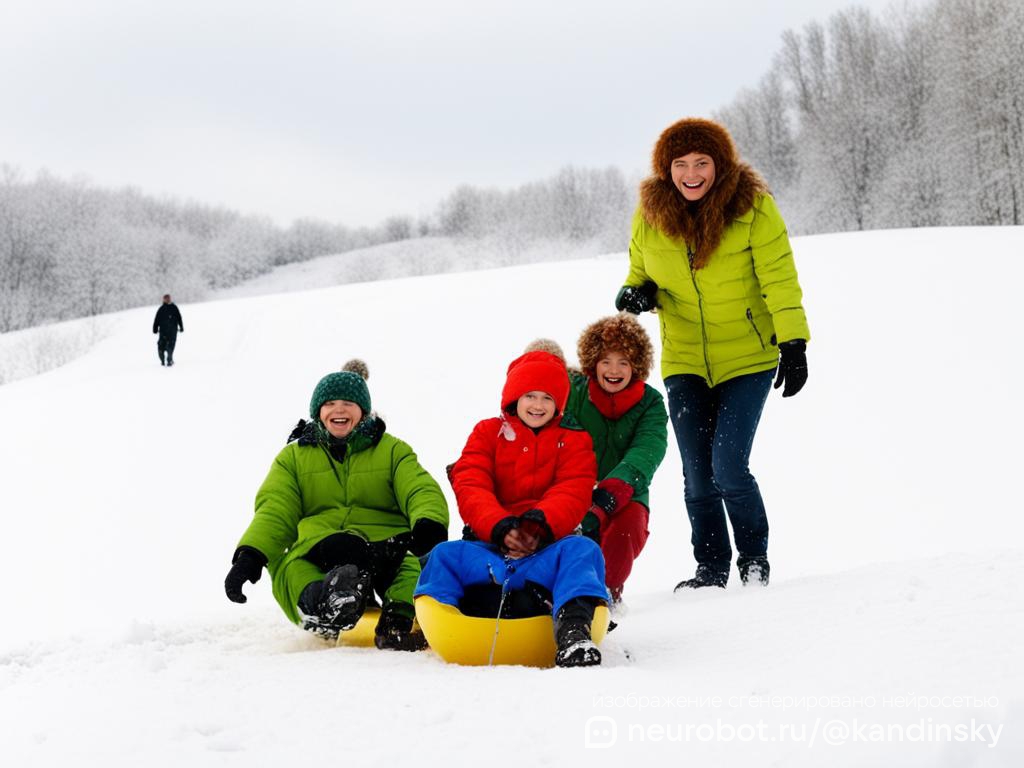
361, 635
461, 639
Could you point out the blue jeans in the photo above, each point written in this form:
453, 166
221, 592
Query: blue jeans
715, 429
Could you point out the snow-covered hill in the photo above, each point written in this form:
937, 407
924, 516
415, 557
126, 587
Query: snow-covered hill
896, 536
431, 255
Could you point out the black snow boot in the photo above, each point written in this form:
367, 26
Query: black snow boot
706, 576
572, 635
309, 602
343, 597
754, 570
394, 630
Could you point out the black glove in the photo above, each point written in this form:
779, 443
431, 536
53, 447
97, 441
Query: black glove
247, 566
532, 520
537, 523
426, 534
602, 507
636, 299
792, 366
501, 529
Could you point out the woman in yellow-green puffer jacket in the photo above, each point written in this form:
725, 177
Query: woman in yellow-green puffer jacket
710, 252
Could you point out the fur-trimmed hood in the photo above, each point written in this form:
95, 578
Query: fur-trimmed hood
700, 224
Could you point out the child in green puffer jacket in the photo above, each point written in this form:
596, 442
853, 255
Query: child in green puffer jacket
345, 511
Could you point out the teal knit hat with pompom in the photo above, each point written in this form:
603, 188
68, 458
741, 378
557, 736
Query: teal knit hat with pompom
347, 384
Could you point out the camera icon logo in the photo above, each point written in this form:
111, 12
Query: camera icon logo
600, 732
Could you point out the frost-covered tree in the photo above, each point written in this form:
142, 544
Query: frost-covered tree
70, 250
761, 125
909, 191
461, 212
240, 251
976, 118
576, 205
912, 119
32, 221
307, 238
843, 133
398, 228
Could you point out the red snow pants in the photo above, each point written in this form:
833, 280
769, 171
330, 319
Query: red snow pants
622, 540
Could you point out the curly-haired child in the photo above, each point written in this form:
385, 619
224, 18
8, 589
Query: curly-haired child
627, 421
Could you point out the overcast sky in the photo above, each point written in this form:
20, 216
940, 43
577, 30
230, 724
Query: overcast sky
354, 111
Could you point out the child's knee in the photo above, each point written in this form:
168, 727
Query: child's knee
631, 519
446, 551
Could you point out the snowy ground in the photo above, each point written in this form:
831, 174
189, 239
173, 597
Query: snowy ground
892, 621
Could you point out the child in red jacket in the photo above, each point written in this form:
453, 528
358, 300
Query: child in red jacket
523, 484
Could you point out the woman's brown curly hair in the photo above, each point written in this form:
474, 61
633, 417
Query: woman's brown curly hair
618, 333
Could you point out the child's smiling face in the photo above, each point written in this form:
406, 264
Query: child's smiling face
340, 417
613, 372
535, 409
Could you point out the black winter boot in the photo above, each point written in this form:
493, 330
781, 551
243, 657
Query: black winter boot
754, 570
309, 602
706, 576
572, 635
343, 597
394, 630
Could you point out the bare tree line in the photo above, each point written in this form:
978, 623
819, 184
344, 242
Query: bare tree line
70, 250
577, 205
912, 120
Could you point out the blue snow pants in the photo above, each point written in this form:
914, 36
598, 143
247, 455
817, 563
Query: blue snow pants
571, 567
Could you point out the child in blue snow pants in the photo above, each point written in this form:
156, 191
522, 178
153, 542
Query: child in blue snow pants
569, 568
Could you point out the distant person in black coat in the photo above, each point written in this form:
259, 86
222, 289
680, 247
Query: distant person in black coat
167, 323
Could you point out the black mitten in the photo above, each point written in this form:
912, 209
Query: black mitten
535, 522
501, 529
247, 566
426, 534
792, 366
636, 299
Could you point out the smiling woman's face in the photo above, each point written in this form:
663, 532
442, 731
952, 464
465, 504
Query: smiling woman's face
693, 175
